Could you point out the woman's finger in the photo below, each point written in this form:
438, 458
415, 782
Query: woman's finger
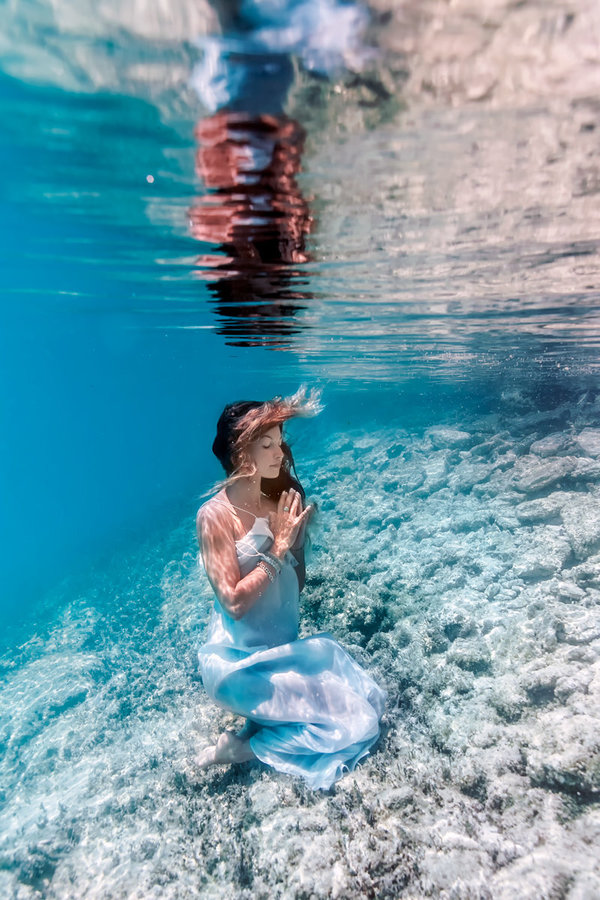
305, 513
290, 503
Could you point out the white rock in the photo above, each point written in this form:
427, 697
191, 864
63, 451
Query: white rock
440, 436
585, 887
543, 553
587, 574
566, 685
587, 470
567, 591
447, 871
582, 524
454, 840
564, 753
436, 471
580, 625
411, 475
539, 874
534, 511
588, 440
540, 684
552, 445
469, 473
531, 474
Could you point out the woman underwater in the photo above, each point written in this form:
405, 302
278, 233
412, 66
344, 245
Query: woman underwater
311, 710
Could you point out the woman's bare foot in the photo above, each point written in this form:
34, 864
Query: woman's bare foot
229, 749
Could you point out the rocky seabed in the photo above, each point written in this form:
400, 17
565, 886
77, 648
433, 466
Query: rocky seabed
461, 566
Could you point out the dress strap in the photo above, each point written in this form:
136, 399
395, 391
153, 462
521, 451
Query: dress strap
229, 503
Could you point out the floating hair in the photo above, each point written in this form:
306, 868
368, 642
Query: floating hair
274, 412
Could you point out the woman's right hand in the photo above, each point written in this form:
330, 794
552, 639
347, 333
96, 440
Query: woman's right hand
286, 522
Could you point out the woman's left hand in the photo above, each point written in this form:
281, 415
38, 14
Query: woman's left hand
286, 522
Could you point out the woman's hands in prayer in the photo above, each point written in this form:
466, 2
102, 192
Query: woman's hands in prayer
286, 522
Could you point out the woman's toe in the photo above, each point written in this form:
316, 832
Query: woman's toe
206, 757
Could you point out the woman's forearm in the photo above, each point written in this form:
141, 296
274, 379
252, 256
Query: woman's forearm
248, 590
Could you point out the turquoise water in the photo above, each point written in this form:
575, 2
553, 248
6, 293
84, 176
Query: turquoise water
424, 267
113, 364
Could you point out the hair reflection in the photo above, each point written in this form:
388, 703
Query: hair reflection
256, 216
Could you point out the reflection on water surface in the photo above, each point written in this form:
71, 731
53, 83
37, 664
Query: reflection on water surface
258, 220
456, 235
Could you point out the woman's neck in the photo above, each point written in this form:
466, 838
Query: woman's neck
246, 493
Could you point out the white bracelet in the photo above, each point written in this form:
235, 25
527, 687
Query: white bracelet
272, 560
263, 566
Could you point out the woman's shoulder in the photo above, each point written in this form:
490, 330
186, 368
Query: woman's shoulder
215, 509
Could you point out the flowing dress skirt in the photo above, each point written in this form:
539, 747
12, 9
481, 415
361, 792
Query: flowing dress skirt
316, 709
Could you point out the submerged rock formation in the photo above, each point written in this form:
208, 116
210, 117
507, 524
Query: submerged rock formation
475, 602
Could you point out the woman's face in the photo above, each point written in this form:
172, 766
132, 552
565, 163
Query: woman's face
267, 454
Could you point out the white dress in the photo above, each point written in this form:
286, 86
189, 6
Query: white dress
317, 711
